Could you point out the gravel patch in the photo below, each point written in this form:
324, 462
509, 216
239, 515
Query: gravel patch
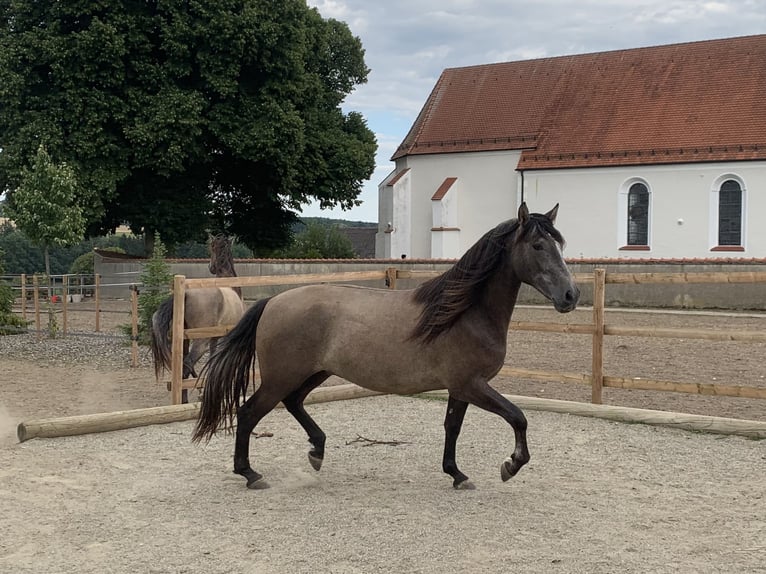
108, 350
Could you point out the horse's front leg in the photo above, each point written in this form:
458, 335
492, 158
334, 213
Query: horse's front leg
453, 422
487, 398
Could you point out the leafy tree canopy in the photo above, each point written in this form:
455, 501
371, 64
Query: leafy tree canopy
185, 116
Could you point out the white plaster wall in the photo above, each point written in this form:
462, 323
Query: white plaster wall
590, 211
487, 184
445, 244
445, 210
385, 214
591, 215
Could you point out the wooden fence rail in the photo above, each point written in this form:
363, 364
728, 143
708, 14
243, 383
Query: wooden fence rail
598, 329
63, 289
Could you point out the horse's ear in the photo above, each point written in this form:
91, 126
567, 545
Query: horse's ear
523, 213
553, 213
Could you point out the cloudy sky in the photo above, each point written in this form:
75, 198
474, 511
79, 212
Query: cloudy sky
408, 44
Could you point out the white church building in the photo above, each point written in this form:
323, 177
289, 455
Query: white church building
653, 153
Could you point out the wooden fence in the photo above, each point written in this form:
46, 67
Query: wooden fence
62, 289
597, 329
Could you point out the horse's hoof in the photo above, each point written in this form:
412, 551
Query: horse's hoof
465, 485
315, 461
508, 469
258, 484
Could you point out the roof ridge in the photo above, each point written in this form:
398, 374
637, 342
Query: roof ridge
613, 51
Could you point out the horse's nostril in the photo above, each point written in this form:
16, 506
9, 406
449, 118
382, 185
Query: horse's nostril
572, 295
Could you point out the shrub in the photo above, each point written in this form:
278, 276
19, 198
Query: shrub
84, 264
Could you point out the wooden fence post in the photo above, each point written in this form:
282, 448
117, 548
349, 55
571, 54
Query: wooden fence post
36, 299
24, 296
134, 325
391, 278
97, 290
597, 358
177, 344
65, 302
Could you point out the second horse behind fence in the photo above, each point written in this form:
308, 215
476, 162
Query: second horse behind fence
204, 307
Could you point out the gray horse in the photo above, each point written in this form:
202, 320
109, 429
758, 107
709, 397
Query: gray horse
448, 333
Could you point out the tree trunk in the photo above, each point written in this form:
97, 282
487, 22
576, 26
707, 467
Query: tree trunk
148, 242
47, 256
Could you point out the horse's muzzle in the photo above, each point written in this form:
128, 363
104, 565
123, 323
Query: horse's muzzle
568, 302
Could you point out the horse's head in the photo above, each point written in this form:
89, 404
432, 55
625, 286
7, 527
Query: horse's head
538, 258
221, 260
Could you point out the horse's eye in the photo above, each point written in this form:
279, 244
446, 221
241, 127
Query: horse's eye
537, 246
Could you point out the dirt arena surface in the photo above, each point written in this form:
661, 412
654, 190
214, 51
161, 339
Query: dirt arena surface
597, 496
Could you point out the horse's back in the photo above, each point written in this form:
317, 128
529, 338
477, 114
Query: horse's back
360, 334
210, 306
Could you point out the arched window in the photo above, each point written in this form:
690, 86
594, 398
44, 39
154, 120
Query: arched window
638, 214
730, 213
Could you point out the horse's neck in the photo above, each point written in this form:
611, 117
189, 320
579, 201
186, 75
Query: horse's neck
228, 271
502, 292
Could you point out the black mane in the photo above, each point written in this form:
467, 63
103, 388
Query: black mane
446, 297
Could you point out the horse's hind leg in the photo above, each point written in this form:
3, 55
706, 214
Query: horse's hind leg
453, 422
191, 358
487, 398
294, 405
248, 416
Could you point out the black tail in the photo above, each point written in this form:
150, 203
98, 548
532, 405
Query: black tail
162, 321
228, 374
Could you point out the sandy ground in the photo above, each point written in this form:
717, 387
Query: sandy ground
596, 497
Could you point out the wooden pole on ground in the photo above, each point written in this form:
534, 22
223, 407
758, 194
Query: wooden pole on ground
103, 422
703, 423
597, 357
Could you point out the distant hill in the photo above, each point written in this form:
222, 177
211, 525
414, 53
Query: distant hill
329, 222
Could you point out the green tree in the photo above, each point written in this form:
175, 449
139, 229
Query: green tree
186, 115
9, 323
156, 280
319, 242
44, 205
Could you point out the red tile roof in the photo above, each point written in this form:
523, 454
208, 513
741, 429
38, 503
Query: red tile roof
444, 188
680, 103
397, 177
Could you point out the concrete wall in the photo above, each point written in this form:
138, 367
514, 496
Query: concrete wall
687, 296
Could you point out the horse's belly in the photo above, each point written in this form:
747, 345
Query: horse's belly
395, 368
401, 382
